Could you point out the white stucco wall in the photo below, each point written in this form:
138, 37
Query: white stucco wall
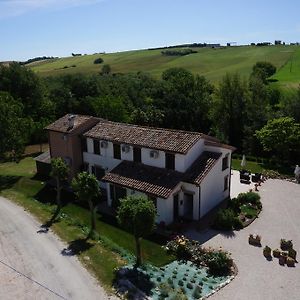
150, 161
212, 186
127, 155
106, 163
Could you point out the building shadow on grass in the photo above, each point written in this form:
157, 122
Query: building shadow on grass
77, 247
7, 181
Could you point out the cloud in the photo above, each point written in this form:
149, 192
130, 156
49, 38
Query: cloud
13, 8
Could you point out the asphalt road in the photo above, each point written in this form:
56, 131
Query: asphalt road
31, 263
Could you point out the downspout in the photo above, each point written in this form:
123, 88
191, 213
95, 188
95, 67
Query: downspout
230, 174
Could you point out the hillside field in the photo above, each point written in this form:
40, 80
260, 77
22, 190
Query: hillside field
212, 63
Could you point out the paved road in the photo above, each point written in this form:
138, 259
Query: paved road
31, 264
259, 279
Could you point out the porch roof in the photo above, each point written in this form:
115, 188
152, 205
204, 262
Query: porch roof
200, 168
158, 182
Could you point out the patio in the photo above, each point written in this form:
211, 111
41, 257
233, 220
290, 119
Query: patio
257, 277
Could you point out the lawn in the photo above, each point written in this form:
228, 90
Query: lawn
211, 63
252, 166
259, 167
19, 183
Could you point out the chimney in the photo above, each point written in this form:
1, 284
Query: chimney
71, 120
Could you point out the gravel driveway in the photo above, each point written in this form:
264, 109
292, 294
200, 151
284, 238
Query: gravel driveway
31, 264
258, 278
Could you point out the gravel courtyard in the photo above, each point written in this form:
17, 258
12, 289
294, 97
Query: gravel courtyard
31, 263
258, 278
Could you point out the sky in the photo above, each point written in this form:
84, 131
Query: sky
31, 28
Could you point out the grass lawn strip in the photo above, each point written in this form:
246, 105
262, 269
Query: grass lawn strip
114, 247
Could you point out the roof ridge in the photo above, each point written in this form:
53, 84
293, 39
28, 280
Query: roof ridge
153, 128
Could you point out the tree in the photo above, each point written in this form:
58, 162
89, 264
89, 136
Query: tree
185, 100
137, 215
60, 172
87, 189
106, 69
13, 127
24, 86
228, 109
98, 60
282, 137
264, 70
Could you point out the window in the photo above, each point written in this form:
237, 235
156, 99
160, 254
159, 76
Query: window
99, 172
84, 144
96, 147
137, 154
117, 151
225, 163
226, 182
170, 161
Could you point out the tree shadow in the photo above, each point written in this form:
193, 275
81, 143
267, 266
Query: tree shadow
228, 234
45, 227
132, 282
77, 247
40, 177
8, 181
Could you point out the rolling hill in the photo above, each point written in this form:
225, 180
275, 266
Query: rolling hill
212, 63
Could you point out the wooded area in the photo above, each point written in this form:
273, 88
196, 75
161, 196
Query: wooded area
239, 111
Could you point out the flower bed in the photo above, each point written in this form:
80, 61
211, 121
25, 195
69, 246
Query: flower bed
177, 280
197, 273
241, 211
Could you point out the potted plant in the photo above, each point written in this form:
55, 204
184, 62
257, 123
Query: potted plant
267, 252
276, 253
290, 262
286, 244
284, 256
292, 253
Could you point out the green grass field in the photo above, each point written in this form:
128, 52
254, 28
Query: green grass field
212, 63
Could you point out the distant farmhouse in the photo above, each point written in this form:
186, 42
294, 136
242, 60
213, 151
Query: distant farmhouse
186, 174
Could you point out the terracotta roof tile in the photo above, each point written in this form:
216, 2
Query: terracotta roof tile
150, 180
160, 182
219, 144
62, 124
177, 141
201, 167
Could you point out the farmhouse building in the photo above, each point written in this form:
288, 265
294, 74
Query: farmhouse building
186, 174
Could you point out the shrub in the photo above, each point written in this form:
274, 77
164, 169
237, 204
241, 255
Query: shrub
219, 263
235, 204
250, 197
225, 219
98, 60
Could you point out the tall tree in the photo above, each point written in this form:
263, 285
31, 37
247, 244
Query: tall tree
13, 127
87, 189
60, 172
185, 100
228, 109
24, 85
281, 137
137, 215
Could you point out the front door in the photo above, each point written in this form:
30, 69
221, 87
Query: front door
188, 205
117, 193
175, 207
